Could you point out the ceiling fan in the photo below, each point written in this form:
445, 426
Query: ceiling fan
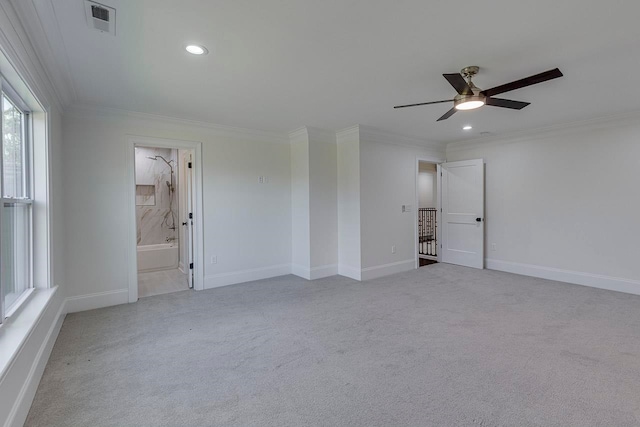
470, 97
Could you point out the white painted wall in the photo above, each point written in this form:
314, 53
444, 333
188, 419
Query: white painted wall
247, 225
300, 225
26, 339
564, 199
323, 203
388, 181
349, 253
427, 185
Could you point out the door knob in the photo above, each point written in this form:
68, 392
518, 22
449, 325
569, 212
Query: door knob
478, 219
184, 223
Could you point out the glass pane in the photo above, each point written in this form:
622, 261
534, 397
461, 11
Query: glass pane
15, 251
13, 161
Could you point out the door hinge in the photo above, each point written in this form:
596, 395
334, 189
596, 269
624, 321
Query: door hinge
191, 266
190, 215
189, 165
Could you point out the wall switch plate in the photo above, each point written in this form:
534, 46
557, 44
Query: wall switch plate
266, 179
393, 249
214, 259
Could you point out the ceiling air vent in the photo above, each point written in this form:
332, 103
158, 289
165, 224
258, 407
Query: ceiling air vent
100, 17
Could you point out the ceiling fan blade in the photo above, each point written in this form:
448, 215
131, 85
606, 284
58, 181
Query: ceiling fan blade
423, 103
506, 103
448, 114
528, 81
459, 84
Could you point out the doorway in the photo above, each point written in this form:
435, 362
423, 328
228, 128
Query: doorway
166, 205
427, 221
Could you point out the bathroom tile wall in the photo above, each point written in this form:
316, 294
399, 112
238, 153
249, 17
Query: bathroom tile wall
153, 217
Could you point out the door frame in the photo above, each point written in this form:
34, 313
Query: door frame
134, 141
437, 161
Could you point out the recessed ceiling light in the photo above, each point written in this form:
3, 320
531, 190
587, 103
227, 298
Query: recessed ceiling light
196, 49
467, 127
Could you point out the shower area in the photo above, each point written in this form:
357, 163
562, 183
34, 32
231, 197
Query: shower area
157, 222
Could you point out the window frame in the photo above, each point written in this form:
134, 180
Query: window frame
28, 195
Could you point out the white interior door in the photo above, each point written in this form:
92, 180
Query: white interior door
462, 192
188, 233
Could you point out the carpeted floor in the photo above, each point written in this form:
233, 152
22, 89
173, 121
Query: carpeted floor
438, 346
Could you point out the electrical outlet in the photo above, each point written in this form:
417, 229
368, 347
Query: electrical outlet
214, 259
393, 249
494, 247
261, 179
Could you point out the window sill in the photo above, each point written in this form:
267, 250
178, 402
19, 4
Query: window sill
16, 329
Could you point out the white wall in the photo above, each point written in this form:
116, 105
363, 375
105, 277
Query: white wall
388, 181
27, 338
247, 225
348, 165
566, 200
427, 185
300, 225
323, 203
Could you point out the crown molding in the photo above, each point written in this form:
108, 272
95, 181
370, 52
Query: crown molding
602, 122
223, 131
17, 47
366, 134
321, 135
43, 30
350, 134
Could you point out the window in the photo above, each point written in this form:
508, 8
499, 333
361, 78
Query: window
16, 206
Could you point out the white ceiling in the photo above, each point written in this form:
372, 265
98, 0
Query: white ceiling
280, 64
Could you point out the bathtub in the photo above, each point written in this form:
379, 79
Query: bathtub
157, 257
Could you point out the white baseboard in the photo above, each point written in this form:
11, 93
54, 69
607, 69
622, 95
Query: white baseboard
324, 271
301, 271
314, 273
97, 300
579, 278
374, 272
32, 366
233, 277
348, 271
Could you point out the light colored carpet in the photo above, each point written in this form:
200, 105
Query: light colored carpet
439, 346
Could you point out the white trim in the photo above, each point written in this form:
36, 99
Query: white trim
435, 161
546, 132
198, 236
314, 273
104, 113
24, 400
348, 271
241, 276
374, 272
26, 345
301, 271
97, 300
576, 277
48, 45
322, 271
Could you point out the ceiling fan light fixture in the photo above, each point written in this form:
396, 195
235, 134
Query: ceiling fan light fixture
469, 102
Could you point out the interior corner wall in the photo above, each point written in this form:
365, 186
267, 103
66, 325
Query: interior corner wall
564, 204
300, 225
21, 376
388, 181
323, 206
247, 225
348, 165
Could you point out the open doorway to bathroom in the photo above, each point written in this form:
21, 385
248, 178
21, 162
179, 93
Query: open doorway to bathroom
427, 221
163, 183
